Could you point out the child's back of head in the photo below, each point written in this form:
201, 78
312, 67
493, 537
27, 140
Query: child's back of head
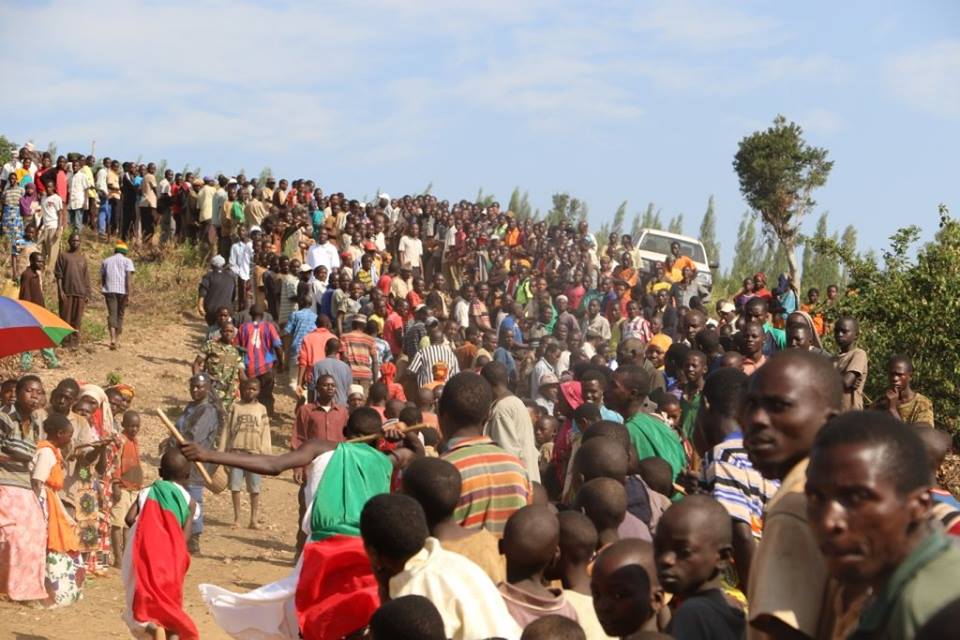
174, 466
530, 541
601, 458
409, 617
553, 627
604, 501
658, 475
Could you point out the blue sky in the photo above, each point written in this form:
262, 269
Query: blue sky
610, 101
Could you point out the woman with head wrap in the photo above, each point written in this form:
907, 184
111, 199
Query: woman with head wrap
101, 420
388, 373
569, 400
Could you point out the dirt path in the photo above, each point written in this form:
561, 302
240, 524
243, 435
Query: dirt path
157, 362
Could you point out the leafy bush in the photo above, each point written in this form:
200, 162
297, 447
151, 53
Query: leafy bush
909, 305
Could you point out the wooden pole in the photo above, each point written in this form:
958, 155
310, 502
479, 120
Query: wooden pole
372, 437
179, 438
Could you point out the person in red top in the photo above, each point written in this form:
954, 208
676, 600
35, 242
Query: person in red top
416, 295
393, 325
312, 350
322, 419
360, 352
760, 286
262, 350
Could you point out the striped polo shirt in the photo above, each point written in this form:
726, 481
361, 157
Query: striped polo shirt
358, 351
495, 483
730, 478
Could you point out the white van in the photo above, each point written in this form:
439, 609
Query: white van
654, 246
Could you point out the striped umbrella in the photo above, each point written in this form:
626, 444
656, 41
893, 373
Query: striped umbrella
25, 326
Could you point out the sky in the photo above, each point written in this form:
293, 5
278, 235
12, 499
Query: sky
608, 101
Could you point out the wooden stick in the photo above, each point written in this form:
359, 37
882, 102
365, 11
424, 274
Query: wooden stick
179, 438
370, 438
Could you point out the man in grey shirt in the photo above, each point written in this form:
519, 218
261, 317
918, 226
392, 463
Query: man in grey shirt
332, 365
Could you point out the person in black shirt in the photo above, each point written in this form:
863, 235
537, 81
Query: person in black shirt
693, 547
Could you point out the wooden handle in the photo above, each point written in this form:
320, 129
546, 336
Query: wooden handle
370, 438
179, 438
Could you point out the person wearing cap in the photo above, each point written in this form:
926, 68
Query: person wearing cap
727, 312
199, 423
360, 351
218, 288
115, 285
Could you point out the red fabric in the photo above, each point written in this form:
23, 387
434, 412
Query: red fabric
160, 563
336, 593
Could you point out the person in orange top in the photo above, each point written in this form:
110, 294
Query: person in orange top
65, 570
512, 237
127, 483
679, 260
813, 297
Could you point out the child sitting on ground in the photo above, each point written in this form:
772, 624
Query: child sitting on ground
693, 546
155, 563
247, 430
531, 540
127, 483
578, 543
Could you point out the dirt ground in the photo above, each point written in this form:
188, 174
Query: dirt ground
155, 357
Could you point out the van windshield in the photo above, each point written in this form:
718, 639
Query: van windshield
661, 244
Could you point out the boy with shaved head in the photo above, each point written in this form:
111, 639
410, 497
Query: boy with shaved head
693, 546
578, 542
531, 543
626, 594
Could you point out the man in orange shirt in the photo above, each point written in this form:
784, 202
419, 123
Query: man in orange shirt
680, 261
312, 350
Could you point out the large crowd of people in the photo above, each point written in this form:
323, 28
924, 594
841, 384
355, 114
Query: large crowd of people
503, 428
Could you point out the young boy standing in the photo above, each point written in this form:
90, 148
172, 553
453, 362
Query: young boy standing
694, 368
247, 430
851, 363
127, 482
692, 548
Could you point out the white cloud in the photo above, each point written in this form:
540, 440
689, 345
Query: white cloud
819, 120
928, 78
700, 25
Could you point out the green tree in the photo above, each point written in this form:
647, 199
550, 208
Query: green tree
162, 167
52, 149
819, 269
778, 172
636, 226
428, 189
566, 209
744, 255
618, 216
651, 218
485, 199
708, 233
676, 224
265, 173
7, 150
848, 242
520, 204
910, 305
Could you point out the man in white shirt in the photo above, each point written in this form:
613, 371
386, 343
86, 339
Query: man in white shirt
411, 250
77, 197
241, 259
323, 253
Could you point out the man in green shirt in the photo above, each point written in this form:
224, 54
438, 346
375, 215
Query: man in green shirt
868, 504
628, 390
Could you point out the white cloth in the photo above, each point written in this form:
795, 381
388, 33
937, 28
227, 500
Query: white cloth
241, 257
268, 612
411, 252
323, 255
468, 602
50, 208
79, 184
138, 629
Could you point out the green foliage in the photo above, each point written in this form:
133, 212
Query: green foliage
428, 189
162, 167
848, 242
778, 172
566, 209
52, 149
676, 224
651, 218
708, 233
819, 269
7, 150
113, 378
909, 305
618, 216
265, 173
520, 204
485, 199
636, 226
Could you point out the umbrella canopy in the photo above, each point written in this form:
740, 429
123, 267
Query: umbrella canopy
25, 326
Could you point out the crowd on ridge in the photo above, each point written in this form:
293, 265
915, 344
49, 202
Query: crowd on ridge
504, 428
